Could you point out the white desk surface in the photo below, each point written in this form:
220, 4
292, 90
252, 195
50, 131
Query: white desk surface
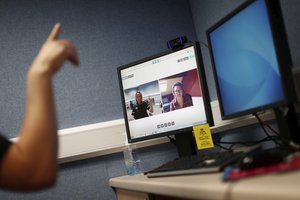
275, 186
205, 186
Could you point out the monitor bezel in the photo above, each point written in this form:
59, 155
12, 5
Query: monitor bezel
282, 54
203, 85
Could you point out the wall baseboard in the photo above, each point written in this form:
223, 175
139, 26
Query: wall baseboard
91, 140
96, 140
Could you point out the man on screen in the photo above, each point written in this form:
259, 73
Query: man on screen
181, 99
140, 109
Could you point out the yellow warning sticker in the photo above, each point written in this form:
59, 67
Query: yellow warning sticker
203, 136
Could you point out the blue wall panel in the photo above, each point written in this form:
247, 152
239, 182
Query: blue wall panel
107, 34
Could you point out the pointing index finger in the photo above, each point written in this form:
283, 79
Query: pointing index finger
55, 32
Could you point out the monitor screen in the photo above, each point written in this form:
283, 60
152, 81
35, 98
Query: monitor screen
250, 58
164, 94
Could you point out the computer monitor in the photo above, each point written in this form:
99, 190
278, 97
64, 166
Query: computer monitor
165, 94
251, 59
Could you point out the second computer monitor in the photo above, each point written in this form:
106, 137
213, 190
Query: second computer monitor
164, 94
251, 59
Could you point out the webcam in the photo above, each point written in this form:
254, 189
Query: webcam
177, 42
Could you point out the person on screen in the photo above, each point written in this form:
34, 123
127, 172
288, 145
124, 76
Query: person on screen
31, 162
141, 108
181, 99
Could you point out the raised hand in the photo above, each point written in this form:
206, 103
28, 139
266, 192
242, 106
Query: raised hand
54, 52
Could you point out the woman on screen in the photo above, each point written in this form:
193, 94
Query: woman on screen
141, 108
181, 99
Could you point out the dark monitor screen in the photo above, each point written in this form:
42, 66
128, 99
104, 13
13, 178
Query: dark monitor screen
164, 94
251, 59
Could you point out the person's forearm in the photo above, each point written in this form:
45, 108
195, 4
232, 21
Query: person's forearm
39, 132
30, 163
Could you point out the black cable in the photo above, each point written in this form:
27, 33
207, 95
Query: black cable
228, 149
265, 124
261, 124
241, 143
283, 140
272, 130
264, 129
250, 143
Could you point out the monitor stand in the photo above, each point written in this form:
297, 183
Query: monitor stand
186, 144
288, 126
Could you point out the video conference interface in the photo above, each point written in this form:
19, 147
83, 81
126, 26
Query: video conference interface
155, 90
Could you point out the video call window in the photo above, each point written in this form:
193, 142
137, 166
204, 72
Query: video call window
184, 85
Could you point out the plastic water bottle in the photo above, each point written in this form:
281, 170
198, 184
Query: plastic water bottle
132, 160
